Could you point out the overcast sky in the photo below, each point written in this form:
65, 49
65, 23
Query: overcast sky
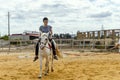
65, 16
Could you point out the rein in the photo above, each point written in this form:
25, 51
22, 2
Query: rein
46, 46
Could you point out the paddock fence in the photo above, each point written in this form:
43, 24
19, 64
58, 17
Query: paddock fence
63, 44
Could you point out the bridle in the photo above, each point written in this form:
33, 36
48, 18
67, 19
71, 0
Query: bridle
44, 44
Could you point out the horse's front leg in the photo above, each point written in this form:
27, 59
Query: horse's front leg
47, 66
52, 63
40, 76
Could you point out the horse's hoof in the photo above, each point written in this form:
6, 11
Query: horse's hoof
48, 71
45, 74
40, 76
52, 70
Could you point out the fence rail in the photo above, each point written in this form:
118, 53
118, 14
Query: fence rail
86, 44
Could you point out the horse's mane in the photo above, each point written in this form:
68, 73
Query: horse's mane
44, 34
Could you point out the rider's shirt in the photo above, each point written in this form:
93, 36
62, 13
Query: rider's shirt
45, 29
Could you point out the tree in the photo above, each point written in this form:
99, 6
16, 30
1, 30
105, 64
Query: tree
5, 37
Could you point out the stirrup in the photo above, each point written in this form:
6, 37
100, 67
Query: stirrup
55, 57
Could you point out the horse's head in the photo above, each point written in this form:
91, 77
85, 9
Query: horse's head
44, 40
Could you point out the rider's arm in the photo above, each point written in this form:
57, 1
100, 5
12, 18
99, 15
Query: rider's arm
40, 33
51, 32
40, 30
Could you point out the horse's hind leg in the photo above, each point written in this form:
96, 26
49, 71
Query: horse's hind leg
48, 68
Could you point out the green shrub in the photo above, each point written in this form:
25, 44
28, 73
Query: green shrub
5, 37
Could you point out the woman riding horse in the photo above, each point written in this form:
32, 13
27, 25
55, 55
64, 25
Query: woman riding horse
45, 29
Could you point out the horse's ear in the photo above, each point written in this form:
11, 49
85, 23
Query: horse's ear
48, 33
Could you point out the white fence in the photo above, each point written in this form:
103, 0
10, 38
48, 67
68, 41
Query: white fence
72, 44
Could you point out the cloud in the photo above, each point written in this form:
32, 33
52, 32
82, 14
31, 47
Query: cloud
70, 15
101, 15
92, 0
18, 16
53, 6
116, 2
58, 10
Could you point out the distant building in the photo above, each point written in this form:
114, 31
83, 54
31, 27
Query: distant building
3, 42
27, 35
99, 34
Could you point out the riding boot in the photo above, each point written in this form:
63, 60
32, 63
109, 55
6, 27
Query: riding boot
55, 56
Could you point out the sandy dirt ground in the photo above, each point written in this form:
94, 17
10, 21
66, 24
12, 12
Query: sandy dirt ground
81, 66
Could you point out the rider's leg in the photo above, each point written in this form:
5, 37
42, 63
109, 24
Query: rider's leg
36, 51
53, 49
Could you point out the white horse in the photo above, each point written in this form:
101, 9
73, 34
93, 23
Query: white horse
45, 52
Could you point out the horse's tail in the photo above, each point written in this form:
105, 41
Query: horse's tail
59, 54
